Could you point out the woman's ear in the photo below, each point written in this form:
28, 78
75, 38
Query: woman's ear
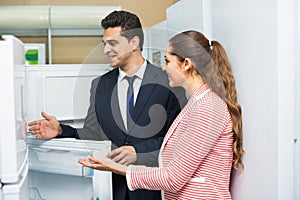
187, 64
135, 41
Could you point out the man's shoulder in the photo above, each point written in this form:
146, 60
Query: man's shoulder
113, 72
154, 67
107, 75
155, 70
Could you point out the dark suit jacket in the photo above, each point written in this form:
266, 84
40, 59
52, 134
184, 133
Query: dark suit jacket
155, 108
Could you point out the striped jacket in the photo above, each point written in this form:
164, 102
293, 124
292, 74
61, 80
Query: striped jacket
196, 154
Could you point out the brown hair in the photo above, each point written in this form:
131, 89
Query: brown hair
211, 62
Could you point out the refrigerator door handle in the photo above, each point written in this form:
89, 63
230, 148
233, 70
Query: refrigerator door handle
24, 163
86, 174
296, 168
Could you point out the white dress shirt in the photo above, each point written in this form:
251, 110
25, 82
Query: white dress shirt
123, 87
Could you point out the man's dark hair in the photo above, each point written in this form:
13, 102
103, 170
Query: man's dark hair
129, 22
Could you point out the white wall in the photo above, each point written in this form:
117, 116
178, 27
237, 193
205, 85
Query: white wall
297, 71
297, 108
259, 37
189, 14
286, 65
248, 32
157, 39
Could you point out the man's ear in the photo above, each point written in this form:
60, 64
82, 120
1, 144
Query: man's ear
135, 42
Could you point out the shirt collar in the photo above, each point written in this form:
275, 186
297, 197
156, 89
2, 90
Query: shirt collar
139, 74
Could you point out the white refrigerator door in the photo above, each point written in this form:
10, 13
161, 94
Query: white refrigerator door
13, 148
60, 90
56, 175
18, 190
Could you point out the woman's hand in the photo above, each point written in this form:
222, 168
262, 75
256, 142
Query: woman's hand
103, 164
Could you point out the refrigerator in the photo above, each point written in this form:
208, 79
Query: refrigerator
13, 148
33, 169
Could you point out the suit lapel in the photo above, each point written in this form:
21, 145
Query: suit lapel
112, 90
149, 82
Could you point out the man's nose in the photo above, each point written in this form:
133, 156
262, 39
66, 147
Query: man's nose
107, 48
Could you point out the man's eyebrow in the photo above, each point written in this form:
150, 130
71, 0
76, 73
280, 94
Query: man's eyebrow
108, 41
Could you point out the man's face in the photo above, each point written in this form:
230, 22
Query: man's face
117, 48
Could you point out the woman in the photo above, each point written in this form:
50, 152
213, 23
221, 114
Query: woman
205, 140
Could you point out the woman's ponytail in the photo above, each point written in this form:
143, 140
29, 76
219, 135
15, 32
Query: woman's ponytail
220, 60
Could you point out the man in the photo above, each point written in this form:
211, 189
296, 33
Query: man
132, 105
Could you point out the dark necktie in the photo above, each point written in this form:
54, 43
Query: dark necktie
130, 99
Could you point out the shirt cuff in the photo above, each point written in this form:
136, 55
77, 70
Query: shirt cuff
128, 177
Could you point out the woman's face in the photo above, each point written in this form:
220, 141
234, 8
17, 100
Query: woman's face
174, 68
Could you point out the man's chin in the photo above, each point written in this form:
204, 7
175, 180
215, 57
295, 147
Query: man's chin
113, 65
